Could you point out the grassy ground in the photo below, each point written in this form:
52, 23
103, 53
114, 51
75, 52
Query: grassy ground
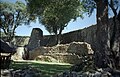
47, 69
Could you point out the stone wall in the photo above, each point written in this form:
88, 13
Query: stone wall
19, 40
63, 53
19, 54
37, 39
19, 43
89, 35
48, 40
83, 35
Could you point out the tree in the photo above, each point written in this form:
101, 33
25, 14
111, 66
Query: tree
106, 39
115, 34
55, 14
12, 15
102, 35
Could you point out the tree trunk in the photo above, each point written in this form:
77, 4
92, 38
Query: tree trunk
102, 34
115, 35
56, 37
114, 41
59, 35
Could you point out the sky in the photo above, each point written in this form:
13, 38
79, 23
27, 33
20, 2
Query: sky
25, 30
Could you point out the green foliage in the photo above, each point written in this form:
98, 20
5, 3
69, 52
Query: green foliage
89, 6
12, 15
55, 14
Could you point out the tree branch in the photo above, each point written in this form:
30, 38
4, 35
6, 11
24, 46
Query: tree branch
112, 7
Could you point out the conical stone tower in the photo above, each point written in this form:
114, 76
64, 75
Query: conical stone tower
35, 39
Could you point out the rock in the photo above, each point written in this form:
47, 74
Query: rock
26, 72
67, 74
80, 48
5, 73
97, 74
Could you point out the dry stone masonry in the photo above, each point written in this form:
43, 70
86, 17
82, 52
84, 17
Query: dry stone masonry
35, 39
68, 53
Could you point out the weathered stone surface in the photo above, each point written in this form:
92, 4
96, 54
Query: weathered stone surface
5, 73
68, 53
18, 40
25, 72
19, 54
46, 58
35, 38
83, 74
83, 35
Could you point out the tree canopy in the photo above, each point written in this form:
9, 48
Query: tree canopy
55, 14
12, 15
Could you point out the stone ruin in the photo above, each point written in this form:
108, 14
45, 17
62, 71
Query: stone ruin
35, 39
63, 53
28, 44
69, 51
87, 35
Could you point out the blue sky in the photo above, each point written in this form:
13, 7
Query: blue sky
25, 30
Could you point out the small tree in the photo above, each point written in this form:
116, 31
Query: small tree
12, 15
55, 14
